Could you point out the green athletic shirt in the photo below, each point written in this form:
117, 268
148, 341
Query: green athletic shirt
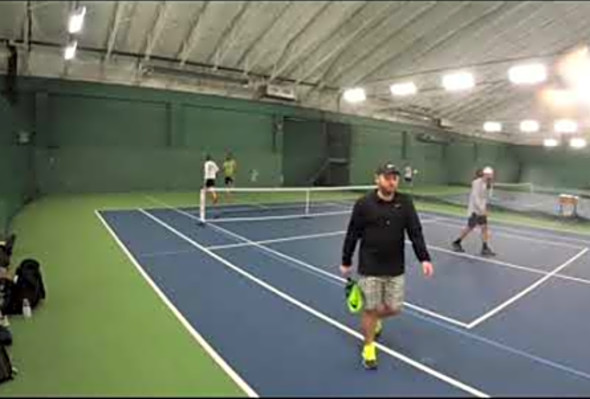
229, 168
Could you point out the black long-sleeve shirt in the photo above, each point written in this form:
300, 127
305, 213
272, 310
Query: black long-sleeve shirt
380, 226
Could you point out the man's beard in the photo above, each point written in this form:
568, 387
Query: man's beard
386, 191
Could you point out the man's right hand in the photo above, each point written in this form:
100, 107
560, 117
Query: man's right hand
345, 270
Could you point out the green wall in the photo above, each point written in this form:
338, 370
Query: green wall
463, 157
15, 160
304, 150
97, 141
92, 137
371, 146
560, 167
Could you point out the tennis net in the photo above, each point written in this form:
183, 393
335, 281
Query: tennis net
254, 204
499, 190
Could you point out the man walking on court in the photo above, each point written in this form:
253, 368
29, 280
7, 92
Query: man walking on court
229, 171
379, 220
478, 211
210, 170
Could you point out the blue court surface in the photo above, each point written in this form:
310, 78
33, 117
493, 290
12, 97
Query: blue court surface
266, 296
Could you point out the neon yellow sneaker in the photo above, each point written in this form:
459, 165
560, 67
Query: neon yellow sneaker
370, 356
378, 329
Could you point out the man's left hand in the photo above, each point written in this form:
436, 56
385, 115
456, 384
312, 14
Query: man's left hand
427, 269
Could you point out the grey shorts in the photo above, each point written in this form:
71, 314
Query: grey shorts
380, 291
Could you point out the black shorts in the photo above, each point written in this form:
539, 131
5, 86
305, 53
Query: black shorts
408, 179
477, 220
229, 180
210, 183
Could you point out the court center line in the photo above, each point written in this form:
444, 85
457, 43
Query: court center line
235, 377
440, 249
309, 266
275, 240
340, 282
435, 219
507, 264
428, 370
497, 232
526, 291
277, 217
418, 314
334, 276
530, 231
433, 247
445, 220
502, 346
164, 253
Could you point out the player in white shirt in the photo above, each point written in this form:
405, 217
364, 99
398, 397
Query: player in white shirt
478, 211
210, 174
408, 175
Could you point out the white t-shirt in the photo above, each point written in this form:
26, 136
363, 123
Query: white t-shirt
478, 199
408, 172
211, 170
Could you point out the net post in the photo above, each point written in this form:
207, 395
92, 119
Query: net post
307, 200
202, 201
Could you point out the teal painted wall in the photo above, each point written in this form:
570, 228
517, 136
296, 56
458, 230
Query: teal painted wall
560, 167
92, 137
16, 169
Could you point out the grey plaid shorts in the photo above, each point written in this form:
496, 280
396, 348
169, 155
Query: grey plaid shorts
378, 291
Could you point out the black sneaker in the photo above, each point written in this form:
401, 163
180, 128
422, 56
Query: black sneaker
457, 247
487, 251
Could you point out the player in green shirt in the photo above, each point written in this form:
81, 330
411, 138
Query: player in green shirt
229, 171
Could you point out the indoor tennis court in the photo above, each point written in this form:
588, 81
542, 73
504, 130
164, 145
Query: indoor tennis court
514, 311
178, 179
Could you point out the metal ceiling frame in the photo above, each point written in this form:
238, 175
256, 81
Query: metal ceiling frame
119, 8
229, 32
190, 40
154, 34
287, 47
325, 78
470, 26
244, 60
288, 66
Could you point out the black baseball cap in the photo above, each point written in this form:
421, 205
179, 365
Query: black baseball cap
387, 169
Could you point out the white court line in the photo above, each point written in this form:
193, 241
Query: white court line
198, 337
409, 305
433, 247
506, 264
497, 232
164, 253
314, 268
449, 380
528, 230
322, 271
278, 217
275, 240
526, 291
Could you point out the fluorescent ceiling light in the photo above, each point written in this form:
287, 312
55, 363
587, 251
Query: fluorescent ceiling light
550, 143
527, 74
458, 81
76, 20
355, 95
70, 51
565, 126
403, 89
529, 126
492, 127
578, 142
